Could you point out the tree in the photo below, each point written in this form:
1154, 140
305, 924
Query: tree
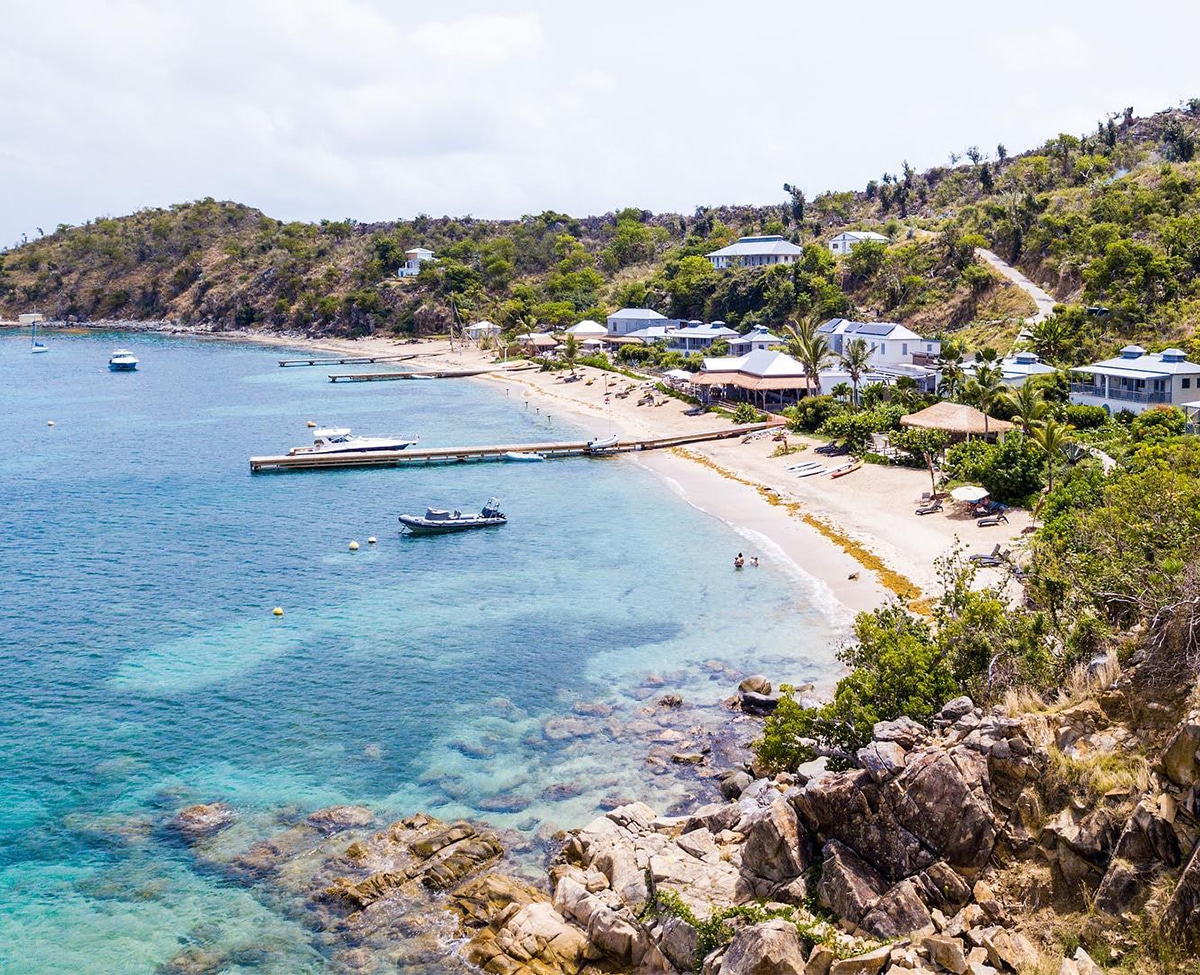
856, 359
985, 390
1053, 438
1001, 153
840, 391
1028, 405
570, 351
798, 200
810, 349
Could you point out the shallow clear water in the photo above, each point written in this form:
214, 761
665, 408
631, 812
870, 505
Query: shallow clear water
141, 669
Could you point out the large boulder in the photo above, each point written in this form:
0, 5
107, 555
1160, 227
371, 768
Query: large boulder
533, 938
201, 821
897, 912
773, 948
848, 884
776, 848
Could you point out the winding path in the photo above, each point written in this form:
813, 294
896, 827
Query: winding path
1044, 301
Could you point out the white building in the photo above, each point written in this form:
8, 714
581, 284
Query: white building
698, 336
1136, 380
846, 241
587, 329
768, 378
891, 344
632, 319
756, 252
759, 337
413, 259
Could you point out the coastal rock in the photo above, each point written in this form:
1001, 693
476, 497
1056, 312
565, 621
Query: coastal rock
868, 963
755, 684
336, 818
560, 729
946, 952
678, 940
758, 703
776, 848
534, 938
773, 948
733, 784
848, 885
899, 911
201, 821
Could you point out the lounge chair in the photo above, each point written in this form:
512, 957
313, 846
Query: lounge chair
991, 556
827, 448
929, 508
990, 520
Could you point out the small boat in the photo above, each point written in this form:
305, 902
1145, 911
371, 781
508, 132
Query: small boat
339, 440
600, 445
435, 521
804, 466
34, 344
524, 456
422, 375
846, 469
122, 360
810, 471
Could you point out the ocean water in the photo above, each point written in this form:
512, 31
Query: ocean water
142, 670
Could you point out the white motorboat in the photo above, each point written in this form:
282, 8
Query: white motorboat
524, 456
437, 521
601, 445
34, 344
339, 440
122, 360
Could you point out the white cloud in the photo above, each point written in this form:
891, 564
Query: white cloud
489, 39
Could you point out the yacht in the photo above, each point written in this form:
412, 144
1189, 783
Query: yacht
435, 521
339, 440
122, 361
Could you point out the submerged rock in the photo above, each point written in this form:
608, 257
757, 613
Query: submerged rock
201, 821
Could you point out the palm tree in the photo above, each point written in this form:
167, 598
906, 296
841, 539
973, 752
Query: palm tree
840, 391
904, 391
951, 383
1028, 404
809, 348
986, 389
1053, 438
856, 359
570, 351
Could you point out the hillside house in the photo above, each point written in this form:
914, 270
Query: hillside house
891, 344
413, 259
755, 252
1137, 380
759, 337
698, 336
633, 319
845, 242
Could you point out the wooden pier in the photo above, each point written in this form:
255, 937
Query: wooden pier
347, 360
458, 455
378, 377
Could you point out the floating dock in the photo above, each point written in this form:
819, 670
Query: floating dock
347, 360
458, 455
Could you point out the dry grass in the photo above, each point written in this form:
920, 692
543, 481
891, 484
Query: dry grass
1090, 777
1082, 683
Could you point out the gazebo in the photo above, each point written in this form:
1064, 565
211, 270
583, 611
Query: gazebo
587, 329
958, 420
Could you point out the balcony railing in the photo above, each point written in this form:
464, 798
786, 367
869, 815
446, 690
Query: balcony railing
1128, 395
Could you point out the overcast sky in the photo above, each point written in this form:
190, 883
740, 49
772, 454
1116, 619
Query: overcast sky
382, 109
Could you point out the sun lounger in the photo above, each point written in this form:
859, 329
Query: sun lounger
931, 508
828, 448
993, 554
990, 520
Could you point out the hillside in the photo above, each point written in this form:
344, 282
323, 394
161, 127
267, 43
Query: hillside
1109, 220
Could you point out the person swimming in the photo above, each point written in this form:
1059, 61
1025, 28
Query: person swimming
739, 561
754, 561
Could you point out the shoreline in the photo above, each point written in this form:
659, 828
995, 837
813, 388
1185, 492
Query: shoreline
857, 537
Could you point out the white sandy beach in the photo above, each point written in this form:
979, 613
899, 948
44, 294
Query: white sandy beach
858, 534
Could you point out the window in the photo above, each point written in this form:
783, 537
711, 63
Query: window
1185, 383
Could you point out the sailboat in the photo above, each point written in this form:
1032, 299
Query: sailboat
34, 344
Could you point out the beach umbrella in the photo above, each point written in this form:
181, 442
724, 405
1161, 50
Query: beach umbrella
681, 374
969, 492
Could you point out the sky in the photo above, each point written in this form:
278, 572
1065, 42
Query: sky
383, 109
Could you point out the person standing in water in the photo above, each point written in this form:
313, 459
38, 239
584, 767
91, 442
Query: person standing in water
739, 561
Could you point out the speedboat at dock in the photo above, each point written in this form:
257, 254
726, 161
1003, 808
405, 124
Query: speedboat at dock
436, 521
339, 440
601, 445
524, 456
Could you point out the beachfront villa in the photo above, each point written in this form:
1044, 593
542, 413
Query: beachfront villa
587, 329
891, 344
629, 320
771, 379
755, 252
846, 241
1137, 380
482, 330
759, 337
698, 336
413, 259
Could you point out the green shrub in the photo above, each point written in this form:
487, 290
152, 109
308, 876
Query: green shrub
811, 413
1158, 424
1085, 417
745, 413
967, 460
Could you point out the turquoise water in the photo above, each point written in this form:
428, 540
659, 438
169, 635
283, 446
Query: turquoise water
141, 669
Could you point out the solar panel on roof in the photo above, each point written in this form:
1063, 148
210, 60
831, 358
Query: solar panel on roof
875, 328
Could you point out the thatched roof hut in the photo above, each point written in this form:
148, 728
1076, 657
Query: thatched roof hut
957, 420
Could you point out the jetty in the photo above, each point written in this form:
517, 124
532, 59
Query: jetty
379, 377
460, 455
352, 360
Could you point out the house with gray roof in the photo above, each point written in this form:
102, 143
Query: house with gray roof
756, 252
891, 343
632, 319
845, 242
1137, 380
759, 337
698, 336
